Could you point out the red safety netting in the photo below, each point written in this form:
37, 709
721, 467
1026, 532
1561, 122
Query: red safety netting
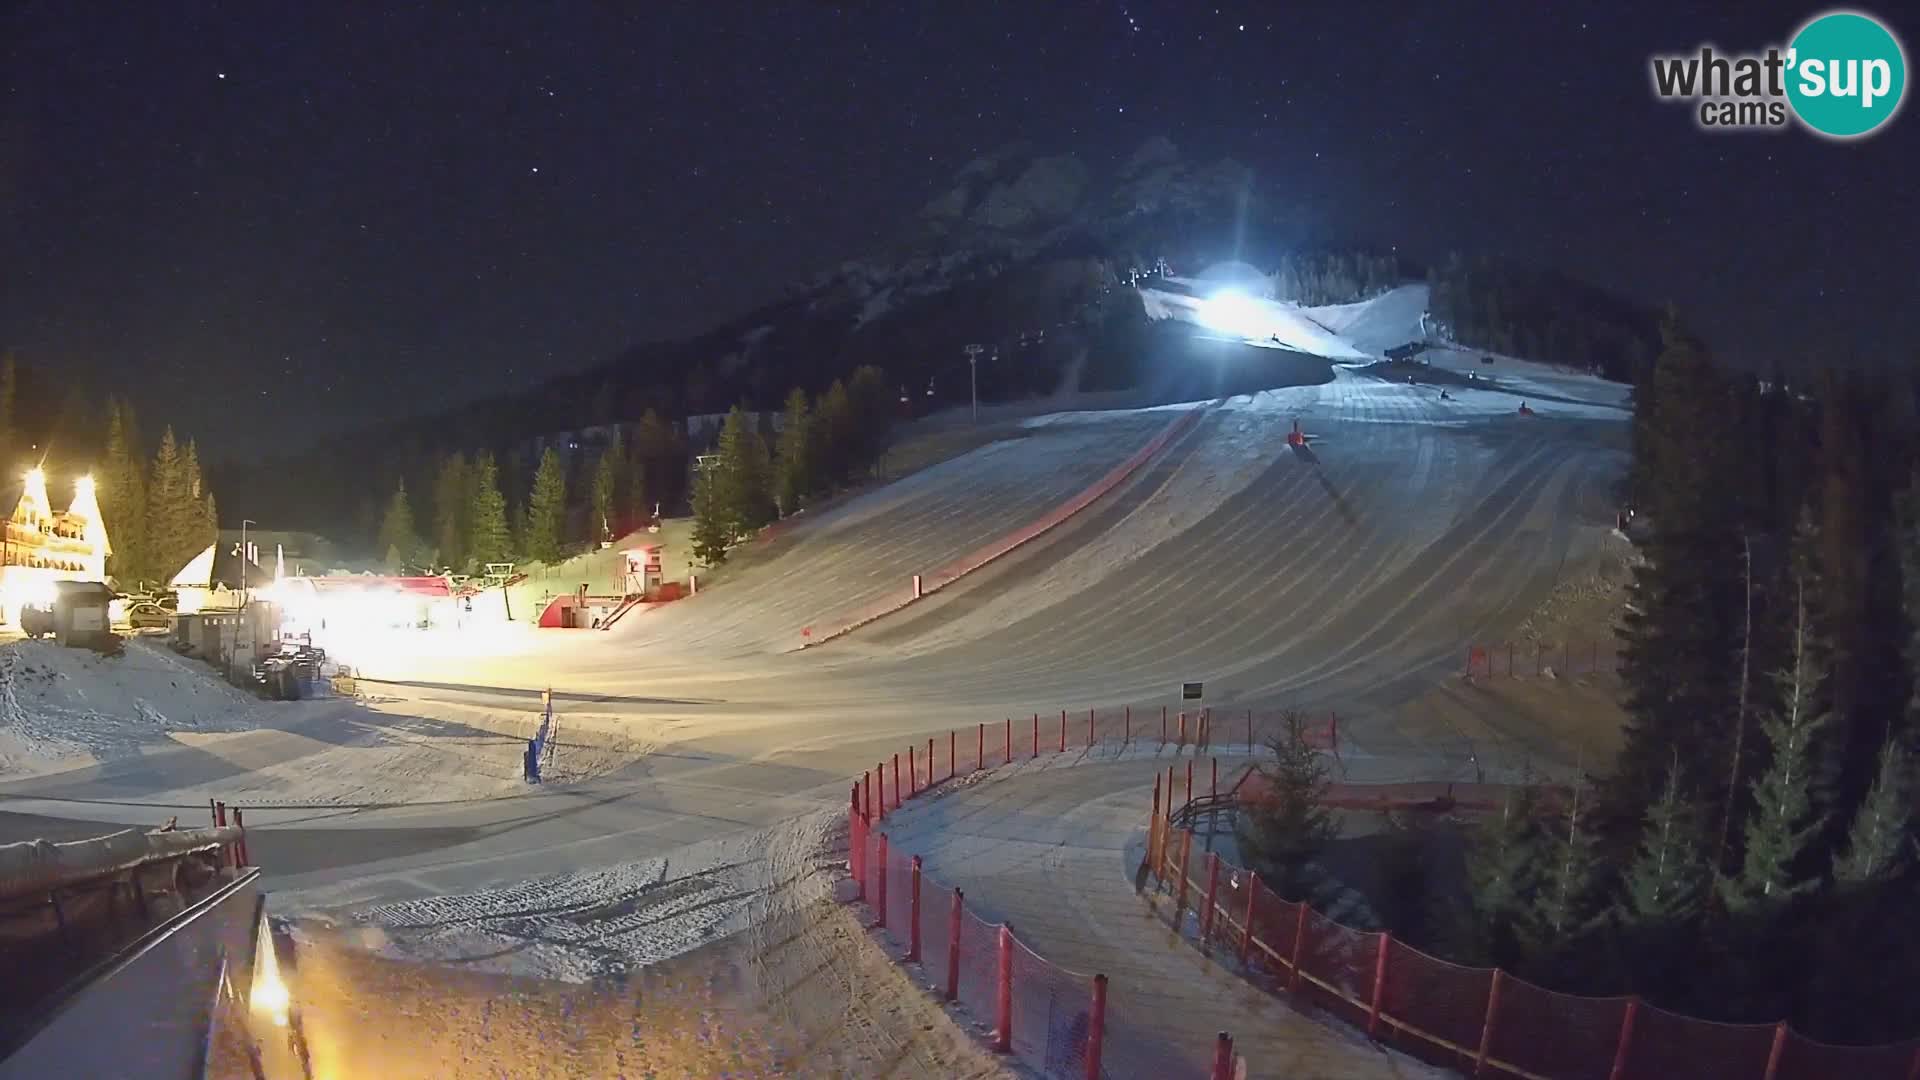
1554, 1034
1338, 961
1275, 923
1804, 1059
1668, 1044
979, 967
899, 895
1443, 1003
1051, 1015
936, 927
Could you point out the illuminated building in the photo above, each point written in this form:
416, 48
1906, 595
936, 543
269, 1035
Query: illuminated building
43, 545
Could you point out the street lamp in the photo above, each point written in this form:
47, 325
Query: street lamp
973, 377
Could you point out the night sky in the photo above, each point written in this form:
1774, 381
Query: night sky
271, 221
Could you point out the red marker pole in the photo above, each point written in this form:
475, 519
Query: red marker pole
953, 947
1096, 1026
953, 755
1223, 1057
913, 932
1009, 760
896, 781
1003, 1028
980, 747
1183, 729
913, 774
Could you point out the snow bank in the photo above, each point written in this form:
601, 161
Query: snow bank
63, 707
603, 923
1376, 325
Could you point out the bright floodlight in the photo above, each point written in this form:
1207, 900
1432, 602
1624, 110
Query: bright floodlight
83, 486
1234, 312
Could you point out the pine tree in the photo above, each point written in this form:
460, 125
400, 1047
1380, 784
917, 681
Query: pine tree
1785, 820
1680, 638
123, 496
742, 478
1882, 832
1564, 907
1282, 831
1504, 874
1666, 883
609, 480
170, 510
452, 509
795, 458
872, 407
203, 525
833, 415
713, 522
397, 536
546, 516
489, 540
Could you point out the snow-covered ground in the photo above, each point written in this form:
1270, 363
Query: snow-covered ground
61, 708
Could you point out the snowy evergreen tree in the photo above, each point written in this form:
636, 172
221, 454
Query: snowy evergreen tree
172, 511
609, 483
545, 537
1785, 820
122, 492
795, 458
452, 510
1564, 907
490, 540
1290, 824
1666, 883
1504, 874
1880, 839
713, 519
398, 539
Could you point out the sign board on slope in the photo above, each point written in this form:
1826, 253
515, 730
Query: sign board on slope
1190, 691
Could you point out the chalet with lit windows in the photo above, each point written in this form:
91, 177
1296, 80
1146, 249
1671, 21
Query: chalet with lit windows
42, 545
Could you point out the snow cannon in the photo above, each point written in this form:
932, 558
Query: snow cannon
1524, 411
1296, 437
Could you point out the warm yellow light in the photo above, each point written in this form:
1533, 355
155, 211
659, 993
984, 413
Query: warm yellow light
36, 478
269, 994
83, 486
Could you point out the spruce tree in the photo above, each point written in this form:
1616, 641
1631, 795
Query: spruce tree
122, 493
201, 514
1878, 843
170, 510
489, 541
609, 480
1564, 907
1282, 831
546, 517
795, 457
835, 443
1665, 884
397, 536
1680, 638
1785, 820
1505, 865
713, 521
452, 510
742, 475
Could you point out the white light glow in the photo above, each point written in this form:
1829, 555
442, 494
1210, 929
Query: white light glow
1234, 312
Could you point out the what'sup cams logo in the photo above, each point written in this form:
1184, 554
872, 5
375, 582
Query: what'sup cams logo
1842, 76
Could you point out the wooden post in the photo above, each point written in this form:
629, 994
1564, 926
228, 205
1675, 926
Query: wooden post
1486, 1027
1299, 946
913, 932
1003, 1028
880, 886
980, 748
1222, 1057
1096, 1026
1089, 729
1009, 760
1774, 1054
1063, 731
953, 753
1036, 734
953, 947
896, 780
1183, 729
1126, 726
1625, 1044
1213, 895
913, 773
1379, 985
1246, 937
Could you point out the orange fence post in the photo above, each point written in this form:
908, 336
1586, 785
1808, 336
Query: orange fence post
1779, 1048
913, 773
1299, 944
1187, 856
880, 781
1246, 938
896, 781
1183, 729
1003, 1027
1096, 1026
1213, 895
1486, 1027
880, 885
1379, 985
953, 947
1169, 793
1223, 1056
913, 932
929, 762
1619, 1070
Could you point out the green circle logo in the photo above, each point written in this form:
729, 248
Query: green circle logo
1846, 74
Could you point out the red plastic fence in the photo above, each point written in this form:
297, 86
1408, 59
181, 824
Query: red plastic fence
926, 584
1479, 1021
1529, 659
